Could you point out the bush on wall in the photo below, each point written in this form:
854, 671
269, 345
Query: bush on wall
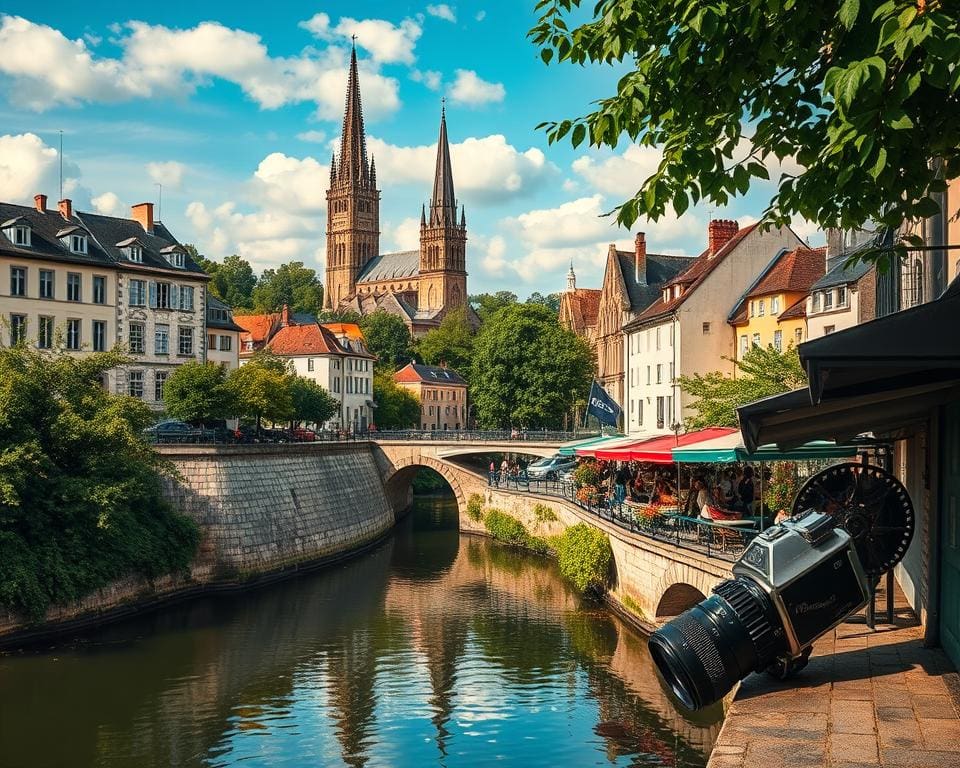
584, 556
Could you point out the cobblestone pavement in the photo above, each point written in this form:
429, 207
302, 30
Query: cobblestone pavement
867, 698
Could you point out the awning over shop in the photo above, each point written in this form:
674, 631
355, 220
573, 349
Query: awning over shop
613, 444
730, 448
569, 449
659, 450
882, 377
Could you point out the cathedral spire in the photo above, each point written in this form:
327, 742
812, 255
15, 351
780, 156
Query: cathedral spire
353, 140
443, 204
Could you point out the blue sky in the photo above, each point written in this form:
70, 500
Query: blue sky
234, 109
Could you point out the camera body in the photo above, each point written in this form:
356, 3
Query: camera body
810, 571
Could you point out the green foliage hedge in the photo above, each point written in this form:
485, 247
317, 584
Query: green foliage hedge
475, 507
544, 514
505, 528
584, 556
80, 495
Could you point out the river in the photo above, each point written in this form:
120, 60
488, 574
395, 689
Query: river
434, 649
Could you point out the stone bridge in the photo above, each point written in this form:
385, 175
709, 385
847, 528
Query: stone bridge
653, 579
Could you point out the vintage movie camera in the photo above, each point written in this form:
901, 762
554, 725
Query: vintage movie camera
794, 582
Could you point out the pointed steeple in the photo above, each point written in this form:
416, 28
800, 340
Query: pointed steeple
443, 204
353, 140
423, 215
333, 167
463, 217
373, 171
571, 278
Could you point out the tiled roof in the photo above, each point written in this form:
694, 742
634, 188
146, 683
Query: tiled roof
350, 330
692, 277
391, 266
660, 269
795, 310
841, 274
214, 304
310, 339
257, 326
429, 374
583, 305
795, 270
45, 244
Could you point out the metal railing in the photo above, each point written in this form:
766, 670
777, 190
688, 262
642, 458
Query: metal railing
480, 436
709, 537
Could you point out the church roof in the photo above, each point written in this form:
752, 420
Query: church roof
443, 204
391, 266
584, 305
353, 141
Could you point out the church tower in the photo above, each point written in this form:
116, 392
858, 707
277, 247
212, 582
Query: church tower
443, 241
353, 203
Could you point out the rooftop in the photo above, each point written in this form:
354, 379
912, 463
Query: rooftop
428, 374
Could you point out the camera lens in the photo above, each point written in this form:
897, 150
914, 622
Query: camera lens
704, 652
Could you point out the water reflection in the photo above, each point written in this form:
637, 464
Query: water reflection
434, 649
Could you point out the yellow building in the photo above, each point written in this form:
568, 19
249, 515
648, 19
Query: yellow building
774, 311
442, 393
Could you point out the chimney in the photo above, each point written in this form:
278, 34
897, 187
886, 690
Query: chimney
66, 208
142, 213
720, 232
40, 201
285, 316
640, 258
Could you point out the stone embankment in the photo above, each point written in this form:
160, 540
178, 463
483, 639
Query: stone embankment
263, 511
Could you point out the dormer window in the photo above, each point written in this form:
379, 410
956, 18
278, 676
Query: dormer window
677, 290
175, 255
21, 235
78, 243
135, 253
178, 259
18, 231
666, 295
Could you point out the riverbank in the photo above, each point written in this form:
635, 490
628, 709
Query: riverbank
265, 512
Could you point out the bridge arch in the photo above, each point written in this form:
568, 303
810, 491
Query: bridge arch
398, 482
681, 587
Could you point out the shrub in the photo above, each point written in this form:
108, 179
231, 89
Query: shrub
544, 514
586, 473
505, 528
584, 557
538, 544
475, 507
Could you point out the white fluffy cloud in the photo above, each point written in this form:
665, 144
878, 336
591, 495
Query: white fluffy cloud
481, 15
485, 170
108, 204
44, 68
468, 88
169, 174
430, 78
622, 174
28, 167
314, 137
442, 11
387, 43
406, 235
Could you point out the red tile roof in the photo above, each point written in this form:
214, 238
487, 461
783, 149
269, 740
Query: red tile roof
796, 270
308, 339
257, 327
797, 309
692, 277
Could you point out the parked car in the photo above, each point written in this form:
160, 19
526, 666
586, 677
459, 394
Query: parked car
274, 435
566, 475
172, 431
302, 435
549, 469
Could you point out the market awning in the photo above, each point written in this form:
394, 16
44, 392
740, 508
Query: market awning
730, 448
621, 451
659, 450
569, 449
613, 444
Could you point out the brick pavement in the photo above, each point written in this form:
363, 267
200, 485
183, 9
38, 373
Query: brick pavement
867, 698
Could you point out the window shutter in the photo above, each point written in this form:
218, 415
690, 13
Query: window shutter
153, 294
174, 296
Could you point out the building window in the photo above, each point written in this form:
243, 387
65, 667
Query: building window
21, 235
78, 243
185, 346
911, 282
212, 342
309, 363
756, 339
47, 283
135, 338
159, 382
161, 339
706, 328
186, 297
658, 337
753, 309
160, 298
774, 305
99, 289
778, 341
659, 373
827, 300
18, 281
828, 329
798, 335
176, 259
74, 286
842, 296
226, 343
135, 384
138, 293
744, 345
816, 301
45, 333
18, 328
648, 375
99, 335
761, 307
661, 412
73, 334
135, 253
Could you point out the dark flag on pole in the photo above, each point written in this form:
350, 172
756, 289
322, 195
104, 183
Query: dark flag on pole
603, 406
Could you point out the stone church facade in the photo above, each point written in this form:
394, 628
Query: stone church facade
419, 286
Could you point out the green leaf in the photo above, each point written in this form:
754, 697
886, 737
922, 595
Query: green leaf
579, 133
902, 122
546, 54
849, 10
879, 164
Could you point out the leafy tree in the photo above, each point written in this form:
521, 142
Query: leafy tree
861, 94
551, 301
292, 284
486, 304
311, 402
80, 495
762, 372
197, 392
527, 370
233, 278
338, 316
388, 338
397, 408
451, 343
261, 391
